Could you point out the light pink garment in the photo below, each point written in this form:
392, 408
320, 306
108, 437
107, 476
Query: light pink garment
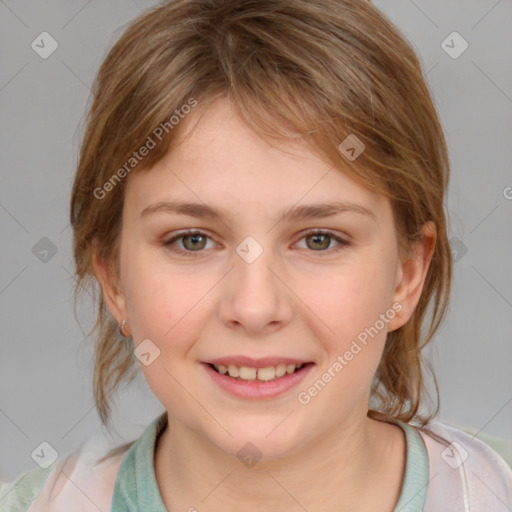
76, 484
465, 475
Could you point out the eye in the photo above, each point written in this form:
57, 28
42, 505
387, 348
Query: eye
320, 241
191, 241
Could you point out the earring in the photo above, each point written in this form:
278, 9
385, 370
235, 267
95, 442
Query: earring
121, 327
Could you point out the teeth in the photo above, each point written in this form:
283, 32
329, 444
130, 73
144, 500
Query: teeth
280, 370
267, 373
262, 374
233, 371
247, 373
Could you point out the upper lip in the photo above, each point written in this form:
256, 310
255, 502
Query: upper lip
251, 362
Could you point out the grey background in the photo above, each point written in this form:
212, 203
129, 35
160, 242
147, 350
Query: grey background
45, 367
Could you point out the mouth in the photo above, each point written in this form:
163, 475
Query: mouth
265, 374
257, 380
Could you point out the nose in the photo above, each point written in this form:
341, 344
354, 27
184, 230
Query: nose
256, 299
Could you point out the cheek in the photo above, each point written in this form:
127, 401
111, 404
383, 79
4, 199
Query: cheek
167, 304
350, 302
151, 307
157, 297
350, 299
163, 306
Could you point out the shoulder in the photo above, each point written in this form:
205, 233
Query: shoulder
75, 482
18, 495
464, 473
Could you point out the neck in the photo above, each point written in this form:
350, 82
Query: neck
333, 473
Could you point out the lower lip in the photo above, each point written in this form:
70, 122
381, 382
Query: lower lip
255, 389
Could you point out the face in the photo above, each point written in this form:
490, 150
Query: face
276, 278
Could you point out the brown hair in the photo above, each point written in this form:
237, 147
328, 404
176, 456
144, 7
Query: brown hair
319, 69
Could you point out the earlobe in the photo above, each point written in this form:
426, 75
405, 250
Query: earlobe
112, 294
411, 276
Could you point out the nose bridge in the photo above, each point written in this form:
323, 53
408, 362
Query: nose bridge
255, 297
253, 275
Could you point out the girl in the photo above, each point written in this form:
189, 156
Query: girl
260, 196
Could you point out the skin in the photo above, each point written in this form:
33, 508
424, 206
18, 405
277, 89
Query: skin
294, 300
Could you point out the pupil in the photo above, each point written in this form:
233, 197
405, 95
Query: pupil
194, 238
320, 236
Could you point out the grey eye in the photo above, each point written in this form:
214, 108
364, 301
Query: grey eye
318, 241
194, 242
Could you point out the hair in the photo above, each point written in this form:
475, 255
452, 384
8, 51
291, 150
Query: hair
314, 70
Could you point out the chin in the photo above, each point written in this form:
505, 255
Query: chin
265, 440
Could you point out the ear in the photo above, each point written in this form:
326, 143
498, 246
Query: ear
411, 274
113, 295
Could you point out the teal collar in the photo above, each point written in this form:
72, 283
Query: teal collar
414, 487
136, 487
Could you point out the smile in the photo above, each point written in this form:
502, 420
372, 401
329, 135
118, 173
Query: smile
260, 374
263, 379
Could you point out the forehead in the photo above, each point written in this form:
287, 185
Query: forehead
220, 161
218, 135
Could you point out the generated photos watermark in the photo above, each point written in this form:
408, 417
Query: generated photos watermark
145, 149
361, 341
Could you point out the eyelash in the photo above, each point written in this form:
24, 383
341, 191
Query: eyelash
195, 254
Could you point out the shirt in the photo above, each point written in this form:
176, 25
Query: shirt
447, 470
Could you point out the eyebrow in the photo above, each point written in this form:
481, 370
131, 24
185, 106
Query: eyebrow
293, 213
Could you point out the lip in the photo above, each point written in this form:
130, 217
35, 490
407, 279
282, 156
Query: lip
262, 362
257, 390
